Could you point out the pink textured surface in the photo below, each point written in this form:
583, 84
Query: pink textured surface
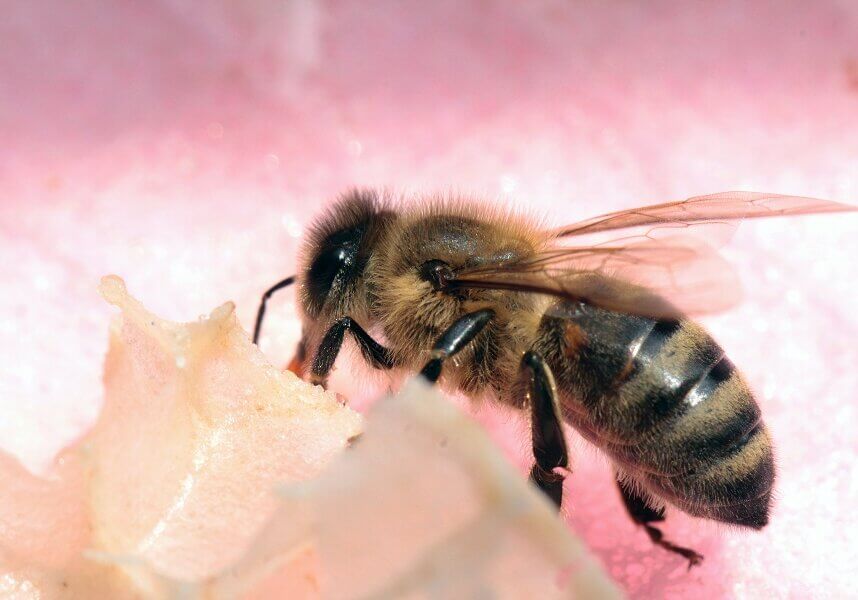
186, 149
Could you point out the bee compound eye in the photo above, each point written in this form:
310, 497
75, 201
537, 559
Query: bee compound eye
332, 262
326, 266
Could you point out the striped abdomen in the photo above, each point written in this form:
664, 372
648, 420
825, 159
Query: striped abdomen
662, 400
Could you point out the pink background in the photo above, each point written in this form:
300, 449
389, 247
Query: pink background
185, 150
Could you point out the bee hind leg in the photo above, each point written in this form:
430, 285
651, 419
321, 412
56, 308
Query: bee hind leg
643, 514
549, 444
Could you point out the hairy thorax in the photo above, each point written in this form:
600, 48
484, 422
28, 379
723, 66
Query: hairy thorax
412, 314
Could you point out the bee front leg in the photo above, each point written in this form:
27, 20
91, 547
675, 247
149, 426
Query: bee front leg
376, 354
643, 514
549, 443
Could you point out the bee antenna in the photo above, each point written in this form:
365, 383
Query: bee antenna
262, 305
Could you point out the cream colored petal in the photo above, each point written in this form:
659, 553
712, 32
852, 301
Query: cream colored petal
422, 506
174, 492
196, 429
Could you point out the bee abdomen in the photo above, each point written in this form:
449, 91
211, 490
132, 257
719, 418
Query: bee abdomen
735, 488
672, 411
701, 428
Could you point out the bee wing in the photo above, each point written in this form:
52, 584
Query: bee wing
659, 278
651, 271
722, 208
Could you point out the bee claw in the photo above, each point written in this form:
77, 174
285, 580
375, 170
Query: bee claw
694, 559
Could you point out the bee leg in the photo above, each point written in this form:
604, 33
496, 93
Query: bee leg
376, 354
457, 336
644, 515
264, 302
549, 443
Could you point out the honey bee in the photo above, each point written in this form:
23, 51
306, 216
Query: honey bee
571, 329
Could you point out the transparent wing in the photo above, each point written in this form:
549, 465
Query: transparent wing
659, 268
660, 278
712, 209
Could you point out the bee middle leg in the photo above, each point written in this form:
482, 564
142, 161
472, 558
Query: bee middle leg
643, 514
457, 336
549, 443
376, 354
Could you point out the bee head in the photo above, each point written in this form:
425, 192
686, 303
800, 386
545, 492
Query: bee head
336, 253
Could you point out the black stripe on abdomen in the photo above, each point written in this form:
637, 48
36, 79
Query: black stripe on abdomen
598, 348
670, 363
706, 385
667, 399
736, 488
655, 341
714, 433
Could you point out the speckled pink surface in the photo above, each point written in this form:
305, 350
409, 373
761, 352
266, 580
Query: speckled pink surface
186, 149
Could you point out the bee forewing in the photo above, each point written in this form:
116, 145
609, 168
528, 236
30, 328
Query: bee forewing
723, 207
